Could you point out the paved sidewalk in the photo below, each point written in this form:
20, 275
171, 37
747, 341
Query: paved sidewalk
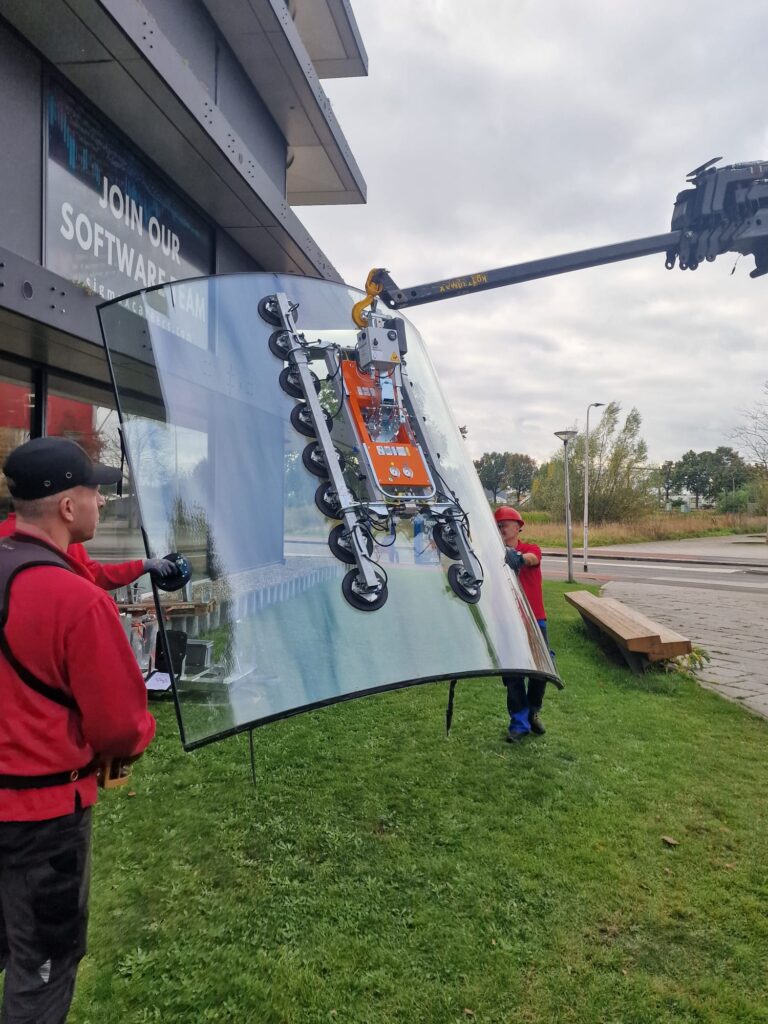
732, 628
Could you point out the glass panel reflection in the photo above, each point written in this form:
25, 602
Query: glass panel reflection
227, 473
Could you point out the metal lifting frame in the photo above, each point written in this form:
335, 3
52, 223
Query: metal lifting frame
351, 540
299, 358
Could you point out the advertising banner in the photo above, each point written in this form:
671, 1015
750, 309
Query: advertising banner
112, 224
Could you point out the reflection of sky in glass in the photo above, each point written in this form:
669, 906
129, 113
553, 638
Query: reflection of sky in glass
220, 475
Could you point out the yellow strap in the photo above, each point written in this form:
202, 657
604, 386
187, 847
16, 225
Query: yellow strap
372, 289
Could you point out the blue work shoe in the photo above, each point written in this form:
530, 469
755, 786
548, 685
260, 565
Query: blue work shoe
518, 726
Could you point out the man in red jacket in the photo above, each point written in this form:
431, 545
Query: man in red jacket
525, 559
71, 694
107, 575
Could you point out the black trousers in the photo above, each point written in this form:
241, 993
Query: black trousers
44, 879
517, 698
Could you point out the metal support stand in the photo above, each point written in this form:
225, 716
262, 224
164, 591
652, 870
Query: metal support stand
449, 709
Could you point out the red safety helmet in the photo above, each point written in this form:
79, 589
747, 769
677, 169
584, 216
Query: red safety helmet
505, 514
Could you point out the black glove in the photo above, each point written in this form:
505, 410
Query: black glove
159, 566
178, 577
514, 560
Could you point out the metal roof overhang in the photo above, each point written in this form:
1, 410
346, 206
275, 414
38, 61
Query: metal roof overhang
266, 41
330, 34
47, 320
113, 51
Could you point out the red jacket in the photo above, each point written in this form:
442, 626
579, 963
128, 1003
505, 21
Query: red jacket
67, 632
530, 580
104, 575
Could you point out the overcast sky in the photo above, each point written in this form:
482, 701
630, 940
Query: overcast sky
493, 133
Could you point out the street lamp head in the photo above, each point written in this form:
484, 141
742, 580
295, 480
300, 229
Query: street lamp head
566, 435
594, 405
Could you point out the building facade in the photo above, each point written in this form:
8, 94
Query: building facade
142, 142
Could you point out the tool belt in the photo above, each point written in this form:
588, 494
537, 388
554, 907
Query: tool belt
44, 781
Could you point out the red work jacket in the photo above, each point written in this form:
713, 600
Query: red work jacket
104, 575
530, 580
67, 632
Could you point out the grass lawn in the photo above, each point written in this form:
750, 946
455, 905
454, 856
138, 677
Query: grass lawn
379, 872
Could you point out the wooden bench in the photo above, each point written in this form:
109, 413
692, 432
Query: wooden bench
640, 639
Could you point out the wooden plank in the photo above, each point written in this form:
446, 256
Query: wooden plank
617, 620
171, 608
670, 649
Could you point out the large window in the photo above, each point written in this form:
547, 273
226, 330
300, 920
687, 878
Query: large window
87, 414
16, 407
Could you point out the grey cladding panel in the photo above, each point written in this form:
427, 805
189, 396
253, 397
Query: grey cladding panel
240, 104
188, 26
230, 258
21, 134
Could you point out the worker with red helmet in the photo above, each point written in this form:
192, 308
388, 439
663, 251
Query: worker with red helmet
525, 559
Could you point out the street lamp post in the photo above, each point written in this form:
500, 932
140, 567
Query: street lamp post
566, 436
592, 405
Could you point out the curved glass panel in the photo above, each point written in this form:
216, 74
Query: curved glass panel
224, 475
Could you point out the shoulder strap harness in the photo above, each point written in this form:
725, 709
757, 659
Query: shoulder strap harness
16, 555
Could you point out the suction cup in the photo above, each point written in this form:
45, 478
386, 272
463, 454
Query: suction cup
269, 310
327, 500
463, 585
341, 546
178, 579
444, 536
301, 418
313, 458
355, 593
280, 344
290, 382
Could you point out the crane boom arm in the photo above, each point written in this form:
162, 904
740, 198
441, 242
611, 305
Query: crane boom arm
725, 209
397, 298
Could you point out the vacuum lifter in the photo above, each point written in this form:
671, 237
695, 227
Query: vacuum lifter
724, 210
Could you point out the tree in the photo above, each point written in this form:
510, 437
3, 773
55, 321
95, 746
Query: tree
618, 478
729, 471
493, 471
520, 470
752, 435
659, 482
667, 479
693, 472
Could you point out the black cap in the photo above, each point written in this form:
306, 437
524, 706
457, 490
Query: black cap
49, 465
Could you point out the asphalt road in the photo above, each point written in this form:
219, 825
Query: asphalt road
602, 569
736, 563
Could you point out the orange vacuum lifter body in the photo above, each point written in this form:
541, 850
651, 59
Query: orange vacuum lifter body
384, 432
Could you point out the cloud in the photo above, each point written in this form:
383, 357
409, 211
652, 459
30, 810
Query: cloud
491, 134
